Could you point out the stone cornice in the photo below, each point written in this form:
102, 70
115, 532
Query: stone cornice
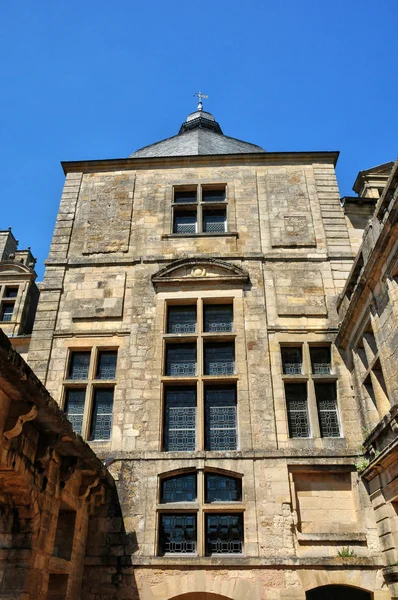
260, 158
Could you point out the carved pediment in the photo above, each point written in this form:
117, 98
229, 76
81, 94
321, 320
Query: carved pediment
11, 267
199, 271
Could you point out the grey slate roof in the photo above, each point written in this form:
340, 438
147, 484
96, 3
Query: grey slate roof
200, 134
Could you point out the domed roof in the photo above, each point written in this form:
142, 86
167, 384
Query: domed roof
200, 134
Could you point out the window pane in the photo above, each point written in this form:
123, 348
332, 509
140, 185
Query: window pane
181, 360
297, 410
177, 534
220, 410
79, 364
320, 360
106, 368
213, 195
101, 424
179, 489
327, 409
184, 222
180, 419
218, 318
74, 408
11, 292
214, 221
292, 361
181, 319
6, 312
224, 534
219, 358
220, 488
185, 197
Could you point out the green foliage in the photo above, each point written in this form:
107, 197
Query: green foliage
361, 463
345, 552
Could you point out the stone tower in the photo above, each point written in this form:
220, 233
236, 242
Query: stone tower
186, 325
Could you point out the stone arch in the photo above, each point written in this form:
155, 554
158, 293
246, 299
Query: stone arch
202, 585
200, 596
337, 592
355, 579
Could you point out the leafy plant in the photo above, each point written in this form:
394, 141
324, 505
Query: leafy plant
345, 552
361, 463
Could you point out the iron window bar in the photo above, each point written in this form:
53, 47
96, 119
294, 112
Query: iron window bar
106, 368
292, 361
181, 360
219, 358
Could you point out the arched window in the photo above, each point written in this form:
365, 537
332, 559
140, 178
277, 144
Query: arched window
222, 488
181, 488
342, 592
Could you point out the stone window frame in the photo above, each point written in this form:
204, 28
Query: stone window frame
90, 385
358, 532
200, 380
8, 301
309, 378
199, 207
368, 368
200, 508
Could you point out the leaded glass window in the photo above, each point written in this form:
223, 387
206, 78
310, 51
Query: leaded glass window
74, 407
218, 318
185, 197
101, 424
184, 221
213, 195
224, 534
180, 419
181, 360
79, 365
6, 312
327, 409
320, 360
219, 358
181, 488
221, 488
177, 534
11, 292
297, 410
292, 360
106, 367
220, 412
181, 319
214, 221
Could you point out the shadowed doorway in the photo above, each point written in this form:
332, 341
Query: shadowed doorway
337, 592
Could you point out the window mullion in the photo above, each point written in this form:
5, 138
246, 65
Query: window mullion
88, 409
199, 215
200, 518
200, 393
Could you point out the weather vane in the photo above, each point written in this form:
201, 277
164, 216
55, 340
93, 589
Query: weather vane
200, 96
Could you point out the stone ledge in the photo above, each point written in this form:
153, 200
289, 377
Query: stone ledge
166, 236
237, 562
345, 538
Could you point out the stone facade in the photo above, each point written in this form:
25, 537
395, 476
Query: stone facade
211, 270
19, 293
368, 338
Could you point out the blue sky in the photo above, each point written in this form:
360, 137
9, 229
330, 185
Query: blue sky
93, 79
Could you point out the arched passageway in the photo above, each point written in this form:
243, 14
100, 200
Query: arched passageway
200, 596
337, 592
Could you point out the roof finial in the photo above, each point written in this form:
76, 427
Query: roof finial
200, 96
